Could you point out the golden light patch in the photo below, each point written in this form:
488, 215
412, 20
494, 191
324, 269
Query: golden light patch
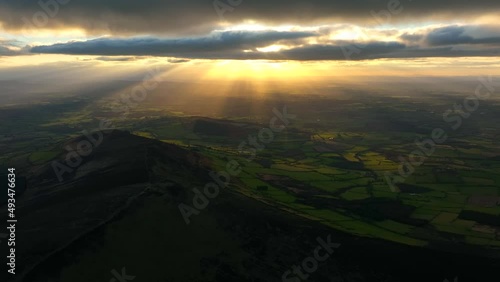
272, 48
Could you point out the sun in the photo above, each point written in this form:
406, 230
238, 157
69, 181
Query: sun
257, 69
351, 33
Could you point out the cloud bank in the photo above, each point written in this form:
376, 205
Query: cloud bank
448, 41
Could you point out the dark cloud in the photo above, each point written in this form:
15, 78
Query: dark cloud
12, 48
451, 41
454, 35
442, 52
217, 42
4, 51
115, 59
344, 51
336, 51
200, 16
178, 61
411, 38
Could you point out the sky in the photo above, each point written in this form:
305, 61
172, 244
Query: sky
277, 38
